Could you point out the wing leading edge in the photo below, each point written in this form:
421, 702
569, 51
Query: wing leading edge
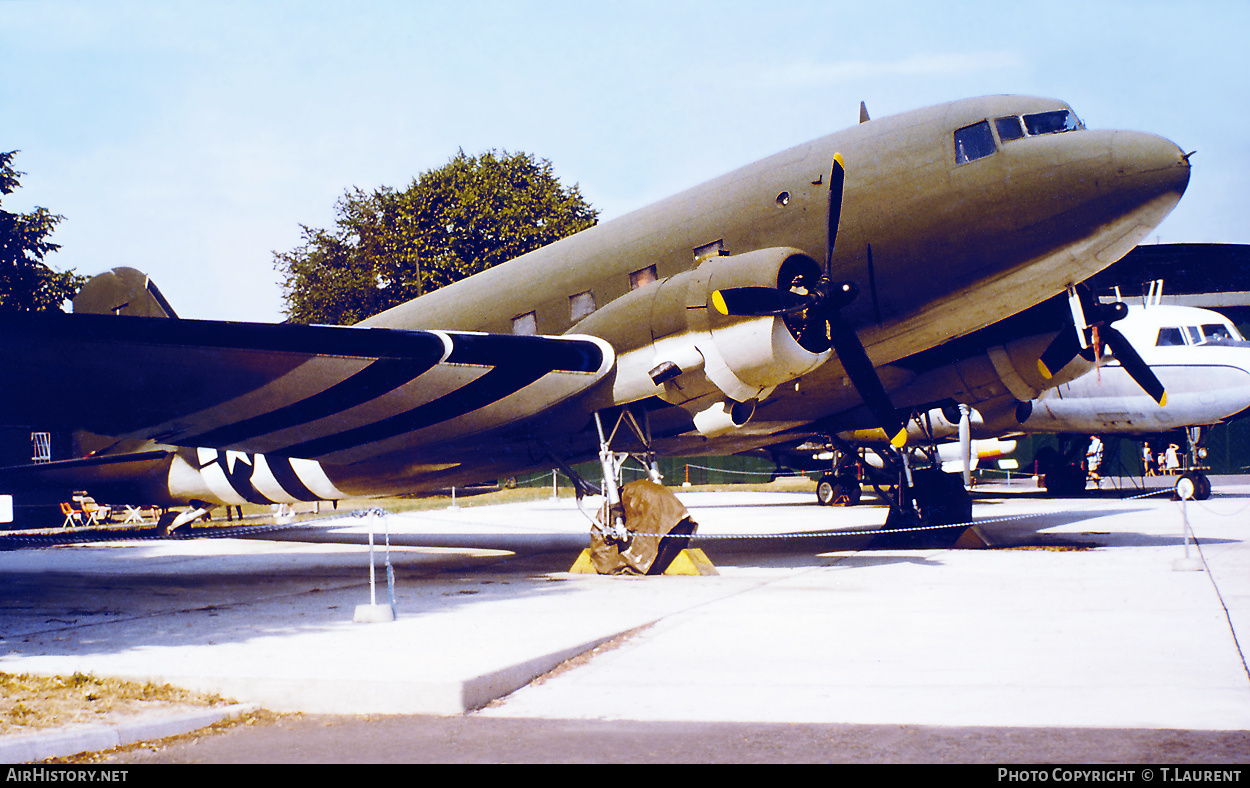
327, 393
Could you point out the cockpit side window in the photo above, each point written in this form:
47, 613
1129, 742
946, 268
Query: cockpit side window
1218, 334
1009, 128
1169, 337
1193, 335
973, 142
1054, 122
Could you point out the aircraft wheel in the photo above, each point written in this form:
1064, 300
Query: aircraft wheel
1204, 486
825, 493
1065, 480
943, 498
1199, 486
838, 489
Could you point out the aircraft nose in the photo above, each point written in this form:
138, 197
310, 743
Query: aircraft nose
1149, 162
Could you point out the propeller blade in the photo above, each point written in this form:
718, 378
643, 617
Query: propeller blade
758, 301
823, 307
965, 441
1059, 353
845, 341
837, 179
863, 376
1134, 364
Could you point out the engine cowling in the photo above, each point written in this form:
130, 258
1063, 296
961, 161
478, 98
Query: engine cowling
698, 357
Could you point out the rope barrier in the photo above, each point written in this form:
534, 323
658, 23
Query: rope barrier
245, 531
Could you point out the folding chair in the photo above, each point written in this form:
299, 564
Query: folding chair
72, 515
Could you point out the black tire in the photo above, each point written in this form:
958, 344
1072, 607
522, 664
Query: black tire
1204, 487
850, 485
943, 498
1065, 480
830, 489
1200, 483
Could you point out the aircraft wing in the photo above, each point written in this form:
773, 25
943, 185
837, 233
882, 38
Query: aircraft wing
335, 394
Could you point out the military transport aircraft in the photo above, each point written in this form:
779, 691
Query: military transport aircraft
786, 296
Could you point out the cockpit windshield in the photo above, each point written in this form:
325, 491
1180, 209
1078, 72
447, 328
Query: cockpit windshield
1220, 334
1054, 122
1206, 334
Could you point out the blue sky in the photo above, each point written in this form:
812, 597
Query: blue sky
191, 139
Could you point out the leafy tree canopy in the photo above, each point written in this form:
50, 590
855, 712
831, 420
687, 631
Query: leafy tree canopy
26, 283
389, 246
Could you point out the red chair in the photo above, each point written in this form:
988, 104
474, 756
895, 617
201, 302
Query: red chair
72, 515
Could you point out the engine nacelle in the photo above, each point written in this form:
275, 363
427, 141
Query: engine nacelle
697, 356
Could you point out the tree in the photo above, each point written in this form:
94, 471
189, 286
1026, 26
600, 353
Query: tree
389, 246
26, 283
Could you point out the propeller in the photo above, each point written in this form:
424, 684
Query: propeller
965, 441
1097, 319
812, 310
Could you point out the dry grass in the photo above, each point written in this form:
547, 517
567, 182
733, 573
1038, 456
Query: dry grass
29, 703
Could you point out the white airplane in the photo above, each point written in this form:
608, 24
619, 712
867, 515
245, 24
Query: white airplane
1198, 355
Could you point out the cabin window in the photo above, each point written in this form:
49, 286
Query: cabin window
581, 305
1009, 128
642, 277
1169, 337
973, 142
526, 324
1052, 122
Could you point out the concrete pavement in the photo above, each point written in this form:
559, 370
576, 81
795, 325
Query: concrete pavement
1076, 619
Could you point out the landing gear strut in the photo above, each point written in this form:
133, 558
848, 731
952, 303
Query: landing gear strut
928, 497
842, 484
641, 526
1193, 472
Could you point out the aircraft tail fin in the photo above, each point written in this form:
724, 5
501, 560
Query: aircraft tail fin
122, 291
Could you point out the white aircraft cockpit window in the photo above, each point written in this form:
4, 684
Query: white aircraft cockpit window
1192, 335
973, 142
1009, 128
1054, 122
1220, 334
526, 324
581, 305
1169, 337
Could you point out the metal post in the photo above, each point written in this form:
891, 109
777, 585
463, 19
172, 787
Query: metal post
1185, 489
373, 612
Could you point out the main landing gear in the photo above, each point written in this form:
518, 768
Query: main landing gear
1187, 465
919, 498
641, 526
842, 486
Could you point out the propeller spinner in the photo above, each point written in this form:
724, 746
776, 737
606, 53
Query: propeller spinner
812, 311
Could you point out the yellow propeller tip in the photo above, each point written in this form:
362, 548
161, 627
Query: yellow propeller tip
1046, 373
718, 302
900, 439
1163, 400
838, 158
